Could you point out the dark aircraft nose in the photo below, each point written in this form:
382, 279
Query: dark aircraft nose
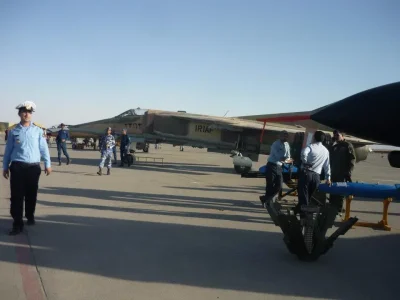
372, 114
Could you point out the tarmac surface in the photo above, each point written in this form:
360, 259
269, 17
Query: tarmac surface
190, 229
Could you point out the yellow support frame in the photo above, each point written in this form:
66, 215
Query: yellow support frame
383, 224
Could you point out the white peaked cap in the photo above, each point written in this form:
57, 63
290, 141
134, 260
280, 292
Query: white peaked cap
29, 105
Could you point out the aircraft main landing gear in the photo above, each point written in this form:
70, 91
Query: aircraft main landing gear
306, 237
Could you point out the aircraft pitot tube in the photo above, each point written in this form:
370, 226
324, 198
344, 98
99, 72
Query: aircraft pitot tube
306, 238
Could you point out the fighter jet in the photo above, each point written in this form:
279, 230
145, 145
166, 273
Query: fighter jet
235, 136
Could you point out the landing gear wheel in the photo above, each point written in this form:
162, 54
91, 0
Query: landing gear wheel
242, 170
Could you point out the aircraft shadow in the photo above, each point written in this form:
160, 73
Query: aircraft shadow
158, 199
236, 218
177, 168
261, 187
374, 212
208, 257
210, 189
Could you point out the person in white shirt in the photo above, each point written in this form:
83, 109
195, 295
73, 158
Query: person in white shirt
279, 154
314, 158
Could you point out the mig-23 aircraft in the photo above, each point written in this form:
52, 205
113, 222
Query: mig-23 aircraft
235, 136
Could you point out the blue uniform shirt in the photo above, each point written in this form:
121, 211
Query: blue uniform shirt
279, 151
317, 156
62, 135
107, 144
26, 144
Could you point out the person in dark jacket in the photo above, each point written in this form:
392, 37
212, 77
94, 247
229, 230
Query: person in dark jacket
124, 146
342, 159
61, 141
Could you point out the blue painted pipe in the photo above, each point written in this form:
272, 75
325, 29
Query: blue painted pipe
286, 168
368, 190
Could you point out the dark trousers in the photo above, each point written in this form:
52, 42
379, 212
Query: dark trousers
24, 182
115, 154
62, 146
274, 180
337, 200
123, 153
307, 185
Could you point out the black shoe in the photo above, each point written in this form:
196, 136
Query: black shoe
31, 222
100, 172
68, 161
108, 171
16, 230
59, 163
297, 209
263, 200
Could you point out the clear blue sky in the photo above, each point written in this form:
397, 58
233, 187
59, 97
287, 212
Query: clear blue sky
84, 60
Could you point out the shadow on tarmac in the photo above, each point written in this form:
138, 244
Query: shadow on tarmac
176, 168
260, 190
374, 212
154, 199
220, 258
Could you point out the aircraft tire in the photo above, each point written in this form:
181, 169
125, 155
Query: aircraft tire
241, 170
394, 159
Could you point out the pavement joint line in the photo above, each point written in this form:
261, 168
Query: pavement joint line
31, 280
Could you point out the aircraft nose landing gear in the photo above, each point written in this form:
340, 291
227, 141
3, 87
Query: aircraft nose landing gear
306, 237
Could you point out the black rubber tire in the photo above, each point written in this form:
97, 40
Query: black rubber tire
242, 170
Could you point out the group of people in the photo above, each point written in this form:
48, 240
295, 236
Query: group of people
334, 162
107, 148
25, 147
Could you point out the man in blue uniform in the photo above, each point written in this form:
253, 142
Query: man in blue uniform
279, 154
124, 147
26, 144
106, 145
61, 141
314, 158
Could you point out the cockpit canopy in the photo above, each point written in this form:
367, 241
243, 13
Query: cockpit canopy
133, 112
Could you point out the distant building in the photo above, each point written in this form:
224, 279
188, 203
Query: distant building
4, 126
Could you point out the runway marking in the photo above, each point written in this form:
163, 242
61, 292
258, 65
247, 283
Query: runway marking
31, 281
30, 278
23, 245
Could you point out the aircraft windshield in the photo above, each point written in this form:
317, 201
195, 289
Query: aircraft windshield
133, 112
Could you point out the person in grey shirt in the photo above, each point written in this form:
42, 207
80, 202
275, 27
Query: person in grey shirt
279, 154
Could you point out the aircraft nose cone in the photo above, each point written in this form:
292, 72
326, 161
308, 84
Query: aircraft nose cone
374, 111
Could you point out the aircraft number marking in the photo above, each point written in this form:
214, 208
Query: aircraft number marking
203, 128
133, 125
